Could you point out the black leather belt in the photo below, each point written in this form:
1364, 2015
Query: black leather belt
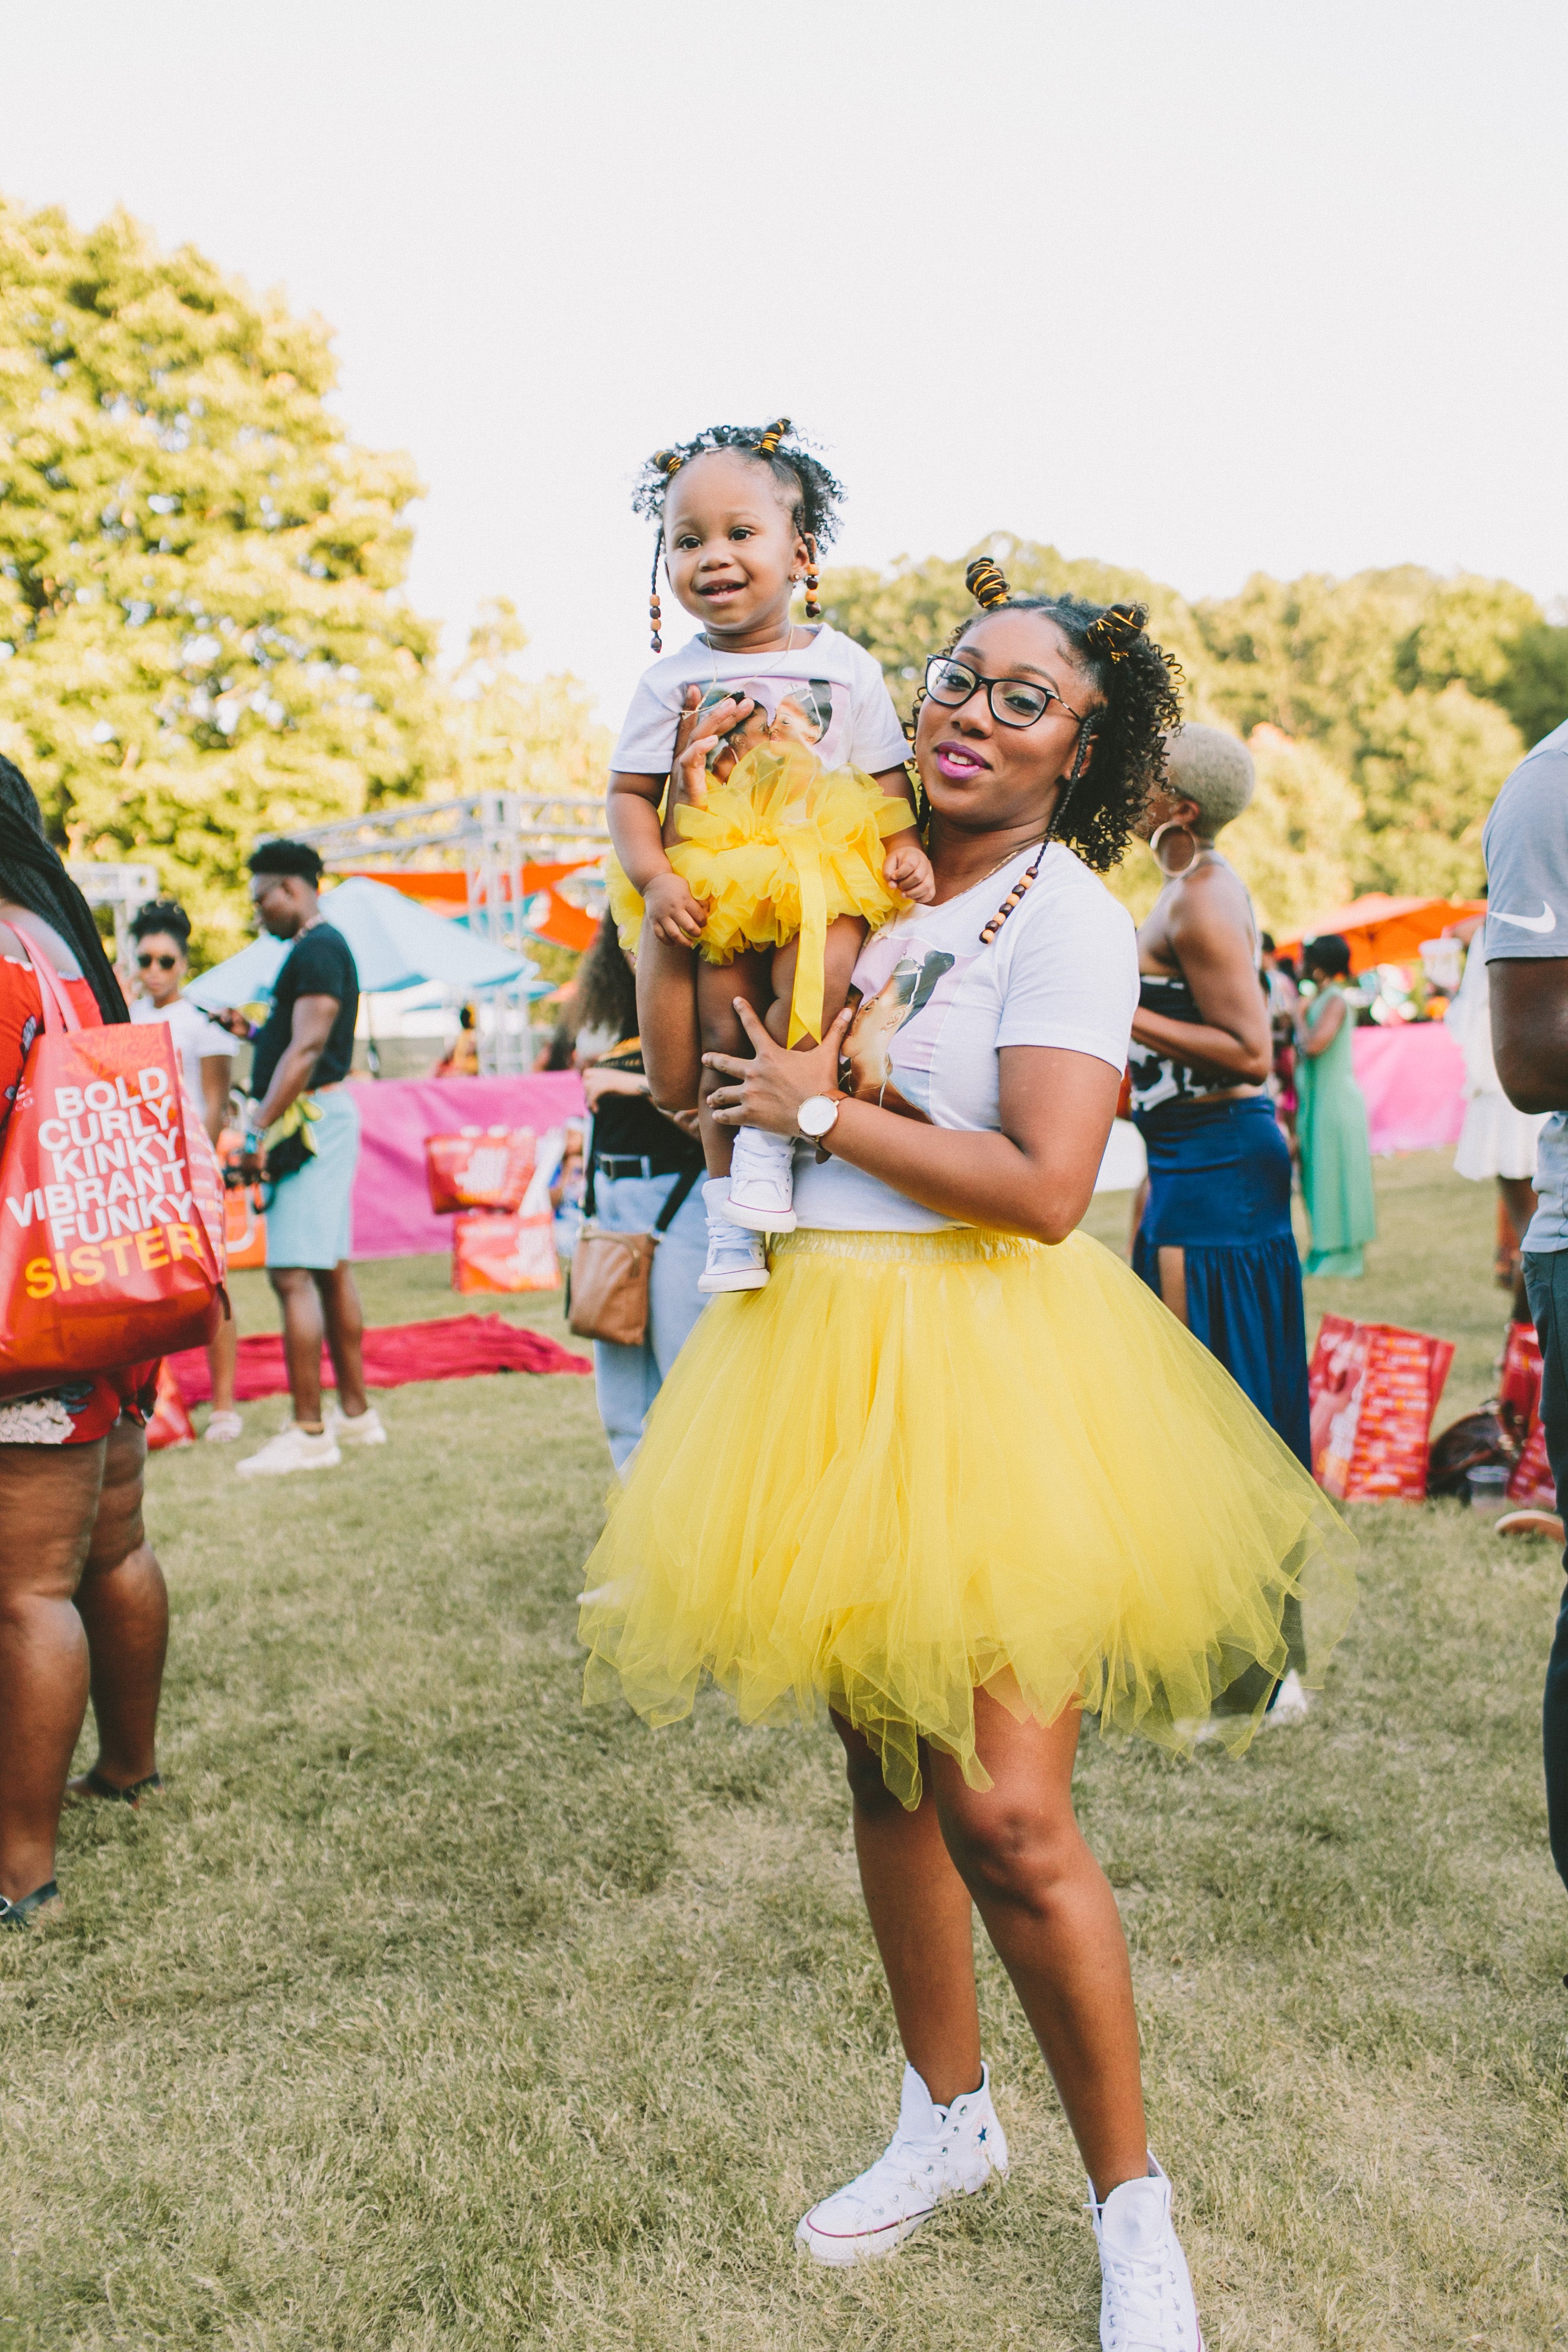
628, 1163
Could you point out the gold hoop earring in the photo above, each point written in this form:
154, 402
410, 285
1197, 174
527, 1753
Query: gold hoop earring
1173, 873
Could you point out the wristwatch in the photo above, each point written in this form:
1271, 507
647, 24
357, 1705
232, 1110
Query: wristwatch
816, 1115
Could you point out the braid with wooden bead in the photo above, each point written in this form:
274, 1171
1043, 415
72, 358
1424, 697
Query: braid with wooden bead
1027, 879
654, 614
985, 583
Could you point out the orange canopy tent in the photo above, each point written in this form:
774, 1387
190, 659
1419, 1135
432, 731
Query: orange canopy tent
446, 888
1380, 930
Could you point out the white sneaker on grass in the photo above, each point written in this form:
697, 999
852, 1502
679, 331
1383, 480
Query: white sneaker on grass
222, 1429
936, 2153
365, 1429
1291, 1704
292, 1449
1146, 2295
762, 1182
736, 1258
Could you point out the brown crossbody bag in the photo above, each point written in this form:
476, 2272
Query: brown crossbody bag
607, 1293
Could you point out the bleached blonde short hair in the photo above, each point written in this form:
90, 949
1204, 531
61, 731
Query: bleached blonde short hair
1207, 765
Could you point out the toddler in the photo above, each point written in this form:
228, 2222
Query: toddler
789, 827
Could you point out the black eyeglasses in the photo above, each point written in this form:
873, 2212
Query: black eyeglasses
954, 682
164, 963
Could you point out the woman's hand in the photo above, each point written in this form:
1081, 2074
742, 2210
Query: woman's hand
768, 1093
695, 739
597, 1083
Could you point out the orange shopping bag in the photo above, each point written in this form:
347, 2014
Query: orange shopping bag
1374, 1390
110, 1204
475, 1170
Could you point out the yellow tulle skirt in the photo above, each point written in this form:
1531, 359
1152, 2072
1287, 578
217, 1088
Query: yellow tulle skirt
919, 1465
780, 850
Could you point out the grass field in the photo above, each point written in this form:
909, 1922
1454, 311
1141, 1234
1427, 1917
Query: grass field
428, 2010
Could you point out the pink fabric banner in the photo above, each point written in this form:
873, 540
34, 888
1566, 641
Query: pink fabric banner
1413, 1076
391, 1211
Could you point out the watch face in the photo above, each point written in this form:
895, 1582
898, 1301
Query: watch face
816, 1113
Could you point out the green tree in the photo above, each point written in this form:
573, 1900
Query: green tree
509, 734
904, 615
201, 634
1429, 768
1296, 846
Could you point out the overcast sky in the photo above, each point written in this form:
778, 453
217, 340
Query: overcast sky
1202, 288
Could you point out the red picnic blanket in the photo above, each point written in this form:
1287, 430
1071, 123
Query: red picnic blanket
453, 1347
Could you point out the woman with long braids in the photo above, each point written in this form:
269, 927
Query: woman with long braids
82, 1600
955, 1475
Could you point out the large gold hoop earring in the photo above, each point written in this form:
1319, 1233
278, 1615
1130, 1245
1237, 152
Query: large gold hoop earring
1173, 873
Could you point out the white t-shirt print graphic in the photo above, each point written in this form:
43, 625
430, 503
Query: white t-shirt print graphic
905, 987
825, 692
936, 1007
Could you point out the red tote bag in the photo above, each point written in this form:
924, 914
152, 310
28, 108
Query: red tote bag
110, 1204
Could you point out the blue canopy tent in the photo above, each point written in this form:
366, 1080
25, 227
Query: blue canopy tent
396, 944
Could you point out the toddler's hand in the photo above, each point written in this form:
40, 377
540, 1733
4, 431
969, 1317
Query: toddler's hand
906, 868
677, 916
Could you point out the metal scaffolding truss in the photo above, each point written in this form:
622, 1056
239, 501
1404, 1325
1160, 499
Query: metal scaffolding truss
124, 889
490, 838
492, 835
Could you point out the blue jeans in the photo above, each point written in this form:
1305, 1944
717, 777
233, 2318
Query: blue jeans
628, 1379
1546, 1279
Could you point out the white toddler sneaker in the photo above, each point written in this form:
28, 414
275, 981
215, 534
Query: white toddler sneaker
1146, 2296
936, 2153
762, 1182
736, 1258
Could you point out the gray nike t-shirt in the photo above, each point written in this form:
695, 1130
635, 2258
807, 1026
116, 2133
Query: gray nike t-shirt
1526, 847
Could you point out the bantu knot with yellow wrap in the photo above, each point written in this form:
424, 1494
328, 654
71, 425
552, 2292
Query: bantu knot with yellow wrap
1117, 629
985, 583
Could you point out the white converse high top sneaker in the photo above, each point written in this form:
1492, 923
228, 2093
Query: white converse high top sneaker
736, 1258
762, 1182
1146, 2296
936, 2153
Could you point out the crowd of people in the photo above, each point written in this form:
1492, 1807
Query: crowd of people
898, 1441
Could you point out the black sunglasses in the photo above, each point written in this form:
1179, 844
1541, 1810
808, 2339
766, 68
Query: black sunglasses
164, 963
953, 683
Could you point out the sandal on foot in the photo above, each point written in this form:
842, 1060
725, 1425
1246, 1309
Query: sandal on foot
92, 1783
18, 1914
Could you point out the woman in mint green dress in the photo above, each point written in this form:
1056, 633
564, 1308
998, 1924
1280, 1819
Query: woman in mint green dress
1336, 1158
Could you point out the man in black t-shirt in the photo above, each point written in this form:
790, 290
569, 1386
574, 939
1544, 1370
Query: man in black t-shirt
302, 1053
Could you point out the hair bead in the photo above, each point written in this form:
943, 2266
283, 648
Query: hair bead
985, 583
656, 637
775, 433
668, 461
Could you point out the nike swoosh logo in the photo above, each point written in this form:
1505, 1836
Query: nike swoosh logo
1545, 921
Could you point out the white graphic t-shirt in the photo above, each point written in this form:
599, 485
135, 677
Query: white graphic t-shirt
196, 1039
935, 1009
827, 692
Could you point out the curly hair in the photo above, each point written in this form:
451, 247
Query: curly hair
605, 996
1140, 703
813, 495
162, 915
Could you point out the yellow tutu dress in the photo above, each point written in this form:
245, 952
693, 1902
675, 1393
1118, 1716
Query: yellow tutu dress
919, 1465
782, 847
